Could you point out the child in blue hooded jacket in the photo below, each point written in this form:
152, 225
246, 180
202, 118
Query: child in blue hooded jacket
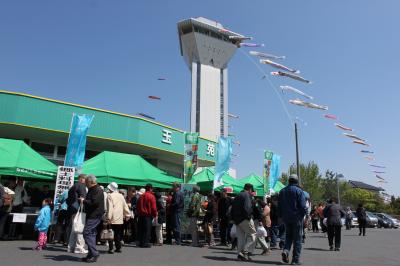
42, 224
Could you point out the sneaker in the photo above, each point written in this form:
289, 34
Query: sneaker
110, 252
83, 251
118, 251
92, 259
285, 257
242, 257
265, 252
331, 248
337, 249
248, 256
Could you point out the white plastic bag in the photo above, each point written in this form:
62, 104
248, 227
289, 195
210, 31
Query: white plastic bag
261, 232
233, 231
325, 221
79, 221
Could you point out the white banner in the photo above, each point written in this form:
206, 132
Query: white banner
65, 180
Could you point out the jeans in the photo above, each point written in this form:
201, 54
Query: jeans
362, 223
278, 233
144, 230
169, 229
315, 225
348, 223
118, 233
246, 235
293, 236
334, 232
223, 230
177, 227
89, 234
193, 231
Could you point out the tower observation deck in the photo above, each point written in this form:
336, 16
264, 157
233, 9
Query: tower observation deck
207, 48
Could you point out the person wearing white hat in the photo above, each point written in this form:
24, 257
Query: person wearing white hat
117, 210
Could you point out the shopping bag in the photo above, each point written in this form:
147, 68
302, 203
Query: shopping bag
79, 221
261, 232
107, 234
233, 231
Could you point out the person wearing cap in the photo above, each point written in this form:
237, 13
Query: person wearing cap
117, 211
147, 211
241, 213
292, 206
193, 213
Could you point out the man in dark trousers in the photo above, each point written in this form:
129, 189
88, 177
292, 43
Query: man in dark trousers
362, 219
241, 213
292, 206
223, 205
147, 210
177, 206
334, 214
94, 208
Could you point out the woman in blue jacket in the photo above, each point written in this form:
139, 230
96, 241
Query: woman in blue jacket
42, 224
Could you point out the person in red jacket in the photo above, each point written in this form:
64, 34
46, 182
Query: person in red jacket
147, 211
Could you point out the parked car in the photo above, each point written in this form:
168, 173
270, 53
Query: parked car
372, 220
396, 223
354, 222
384, 221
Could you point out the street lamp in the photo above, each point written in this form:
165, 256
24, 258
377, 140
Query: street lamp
338, 176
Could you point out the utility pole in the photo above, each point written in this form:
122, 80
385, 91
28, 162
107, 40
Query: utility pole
297, 152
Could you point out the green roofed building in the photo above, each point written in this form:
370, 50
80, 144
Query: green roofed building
44, 125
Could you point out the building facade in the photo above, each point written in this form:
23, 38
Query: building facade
44, 124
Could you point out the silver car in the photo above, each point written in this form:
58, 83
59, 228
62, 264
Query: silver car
396, 223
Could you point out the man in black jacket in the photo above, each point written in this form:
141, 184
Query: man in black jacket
223, 205
334, 214
177, 206
94, 208
241, 213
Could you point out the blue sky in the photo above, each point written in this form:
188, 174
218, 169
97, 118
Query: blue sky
109, 54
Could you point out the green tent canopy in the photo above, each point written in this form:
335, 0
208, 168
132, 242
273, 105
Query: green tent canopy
18, 159
205, 180
256, 181
258, 184
127, 169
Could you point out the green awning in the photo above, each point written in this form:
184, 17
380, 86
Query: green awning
18, 159
127, 169
258, 184
205, 179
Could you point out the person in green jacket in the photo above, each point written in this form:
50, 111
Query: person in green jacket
193, 213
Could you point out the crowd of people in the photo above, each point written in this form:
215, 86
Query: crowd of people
113, 217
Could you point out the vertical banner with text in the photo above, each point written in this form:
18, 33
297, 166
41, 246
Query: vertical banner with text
268, 155
190, 156
75, 154
65, 180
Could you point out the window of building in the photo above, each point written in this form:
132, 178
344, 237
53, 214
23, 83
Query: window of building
43, 148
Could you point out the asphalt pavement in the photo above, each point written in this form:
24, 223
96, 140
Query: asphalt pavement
379, 247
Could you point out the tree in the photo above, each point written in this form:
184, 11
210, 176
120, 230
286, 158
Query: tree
310, 179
